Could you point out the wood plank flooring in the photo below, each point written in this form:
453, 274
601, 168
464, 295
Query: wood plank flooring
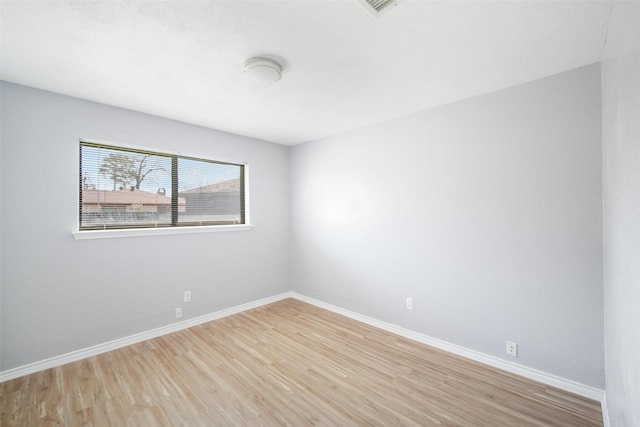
287, 363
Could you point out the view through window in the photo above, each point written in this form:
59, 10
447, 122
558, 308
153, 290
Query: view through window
125, 188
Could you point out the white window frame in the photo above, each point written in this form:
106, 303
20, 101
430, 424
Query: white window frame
79, 234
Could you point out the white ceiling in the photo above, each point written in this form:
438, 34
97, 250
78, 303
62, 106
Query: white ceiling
343, 68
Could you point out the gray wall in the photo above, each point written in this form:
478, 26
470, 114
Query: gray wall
621, 99
59, 294
487, 212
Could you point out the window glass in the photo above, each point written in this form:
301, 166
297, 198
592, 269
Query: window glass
209, 192
123, 188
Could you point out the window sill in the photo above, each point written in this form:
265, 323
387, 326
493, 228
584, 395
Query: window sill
135, 232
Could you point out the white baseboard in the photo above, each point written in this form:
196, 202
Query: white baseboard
132, 339
533, 374
514, 368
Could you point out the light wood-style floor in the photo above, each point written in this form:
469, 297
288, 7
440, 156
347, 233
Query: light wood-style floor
287, 363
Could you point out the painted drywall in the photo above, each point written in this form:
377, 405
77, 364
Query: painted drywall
61, 294
621, 139
486, 212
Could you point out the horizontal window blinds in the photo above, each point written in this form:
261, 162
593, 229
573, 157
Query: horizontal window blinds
124, 188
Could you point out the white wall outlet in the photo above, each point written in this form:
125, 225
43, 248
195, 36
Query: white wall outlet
512, 348
187, 296
409, 303
178, 312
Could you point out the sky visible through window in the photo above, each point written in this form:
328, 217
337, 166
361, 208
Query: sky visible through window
106, 169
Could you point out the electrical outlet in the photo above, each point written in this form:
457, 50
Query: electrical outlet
187, 296
178, 312
512, 348
409, 303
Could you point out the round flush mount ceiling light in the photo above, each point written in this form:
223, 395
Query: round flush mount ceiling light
262, 70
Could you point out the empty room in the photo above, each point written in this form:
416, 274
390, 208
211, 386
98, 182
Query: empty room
320, 212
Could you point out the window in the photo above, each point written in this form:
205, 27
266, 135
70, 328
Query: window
130, 188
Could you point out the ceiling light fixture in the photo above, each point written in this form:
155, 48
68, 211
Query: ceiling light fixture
262, 70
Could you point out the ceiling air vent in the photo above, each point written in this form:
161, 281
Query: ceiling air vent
378, 6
